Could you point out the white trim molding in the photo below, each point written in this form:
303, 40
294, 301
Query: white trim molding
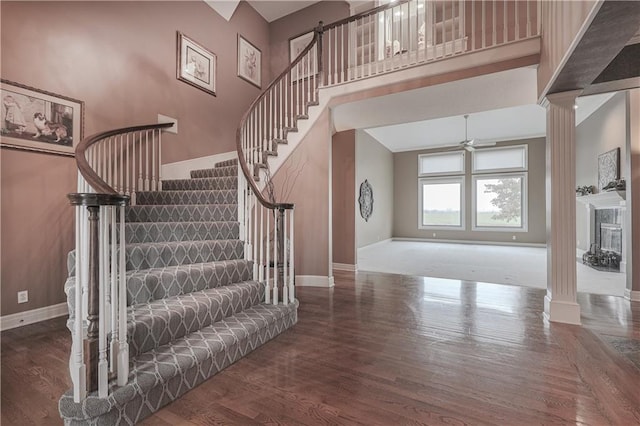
7, 322
314, 281
561, 311
486, 243
345, 267
182, 169
632, 295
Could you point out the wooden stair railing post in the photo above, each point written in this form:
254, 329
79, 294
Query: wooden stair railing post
91, 342
320, 31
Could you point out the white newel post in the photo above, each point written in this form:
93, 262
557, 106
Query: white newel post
560, 303
632, 173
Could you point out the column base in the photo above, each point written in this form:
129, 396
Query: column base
561, 311
632, 295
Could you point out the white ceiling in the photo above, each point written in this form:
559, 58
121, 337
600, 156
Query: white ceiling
518, 122
272, 10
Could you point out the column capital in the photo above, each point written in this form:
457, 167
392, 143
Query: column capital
561, 98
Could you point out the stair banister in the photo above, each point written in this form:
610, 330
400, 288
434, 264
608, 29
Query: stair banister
106, 164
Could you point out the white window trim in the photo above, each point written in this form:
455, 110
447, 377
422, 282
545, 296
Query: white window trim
436, 154
501, 170
525, 203
450, 179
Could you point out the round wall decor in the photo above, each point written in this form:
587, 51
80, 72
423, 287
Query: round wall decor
366, 200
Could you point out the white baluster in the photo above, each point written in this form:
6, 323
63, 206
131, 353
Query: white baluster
153, 160
78, 370
140, 186
342, 43
267, 293
291, 258
285, 287
275, 257
113, 299
256, 240
483, 25
261, 242
159, 160
517, 19
505, 35
123, 351
146, 161
103, 367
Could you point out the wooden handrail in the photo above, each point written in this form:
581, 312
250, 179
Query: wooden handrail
243, 163
92, 178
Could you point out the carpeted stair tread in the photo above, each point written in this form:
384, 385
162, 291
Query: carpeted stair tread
161, 375
226, 182
183, 213
208, 196
146, 232
156, 323
227, 163
215, 172
157, 255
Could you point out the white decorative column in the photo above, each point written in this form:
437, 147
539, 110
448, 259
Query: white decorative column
632, 173
560, 303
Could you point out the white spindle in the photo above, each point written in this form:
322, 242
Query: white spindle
517, 19
505, 34
275, 257
78, 368
140, 179
342, 55
123, 350
261, 242
103, 367
146, 161
291, 258
267, 292
494, 33
113, 296
159, 160
483, 26
473, 25
285, 266
528, 4
153, 160
256, 240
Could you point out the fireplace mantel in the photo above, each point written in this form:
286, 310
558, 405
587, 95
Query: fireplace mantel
604, 200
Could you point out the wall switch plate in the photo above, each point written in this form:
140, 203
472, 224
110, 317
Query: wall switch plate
23, 296
165, 119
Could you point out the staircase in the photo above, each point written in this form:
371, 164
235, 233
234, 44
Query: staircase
192, 305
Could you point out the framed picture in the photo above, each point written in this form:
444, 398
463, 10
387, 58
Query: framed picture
37, 120
249, 62
196, 65
608, 167
296, 46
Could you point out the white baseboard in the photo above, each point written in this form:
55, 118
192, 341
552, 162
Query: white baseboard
485, 243
377, 243
181, 169
632, 295
561, 311
345, 267
314, 281
8, 322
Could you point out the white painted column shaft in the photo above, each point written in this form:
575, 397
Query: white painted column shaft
560, 303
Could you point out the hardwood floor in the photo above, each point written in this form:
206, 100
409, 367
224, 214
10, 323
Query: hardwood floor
382, 349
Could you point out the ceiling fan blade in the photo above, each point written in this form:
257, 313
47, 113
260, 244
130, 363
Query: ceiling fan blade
485, 144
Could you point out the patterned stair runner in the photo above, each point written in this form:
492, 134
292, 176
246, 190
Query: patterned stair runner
193, 308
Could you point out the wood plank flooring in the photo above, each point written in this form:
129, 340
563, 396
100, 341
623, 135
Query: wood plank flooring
381, 349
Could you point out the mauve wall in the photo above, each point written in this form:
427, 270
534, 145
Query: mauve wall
304, 180
281, 30
120, 58
343, 182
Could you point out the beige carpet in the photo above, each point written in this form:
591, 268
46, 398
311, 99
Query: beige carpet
525, 266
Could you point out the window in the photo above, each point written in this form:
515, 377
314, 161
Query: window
500, 201
500, 189
445, 163
440, 203
441, 199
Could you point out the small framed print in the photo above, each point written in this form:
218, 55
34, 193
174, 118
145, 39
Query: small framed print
296, 46
196, 65
37, 120
249, 62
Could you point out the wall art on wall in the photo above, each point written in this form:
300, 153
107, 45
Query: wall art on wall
37, 120
608, 167
249, 62
366, 200
196, 65
304, 68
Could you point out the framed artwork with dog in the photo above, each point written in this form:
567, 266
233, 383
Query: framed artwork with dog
196, 65
249, 62
37, 120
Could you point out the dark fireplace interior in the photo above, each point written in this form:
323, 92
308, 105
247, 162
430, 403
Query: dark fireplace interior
606, 253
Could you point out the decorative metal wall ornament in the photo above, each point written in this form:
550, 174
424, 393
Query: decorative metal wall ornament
608, 168
366, 200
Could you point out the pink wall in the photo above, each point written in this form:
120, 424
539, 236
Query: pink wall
281, 30
343, 182
120, 58
310, 194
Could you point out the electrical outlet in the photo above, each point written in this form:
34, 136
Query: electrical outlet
434, 234
23, 296
514, 238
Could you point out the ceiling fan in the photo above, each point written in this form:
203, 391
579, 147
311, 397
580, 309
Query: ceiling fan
469, 144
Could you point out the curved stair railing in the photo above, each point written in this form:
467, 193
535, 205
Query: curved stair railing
267, 225
112, 167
